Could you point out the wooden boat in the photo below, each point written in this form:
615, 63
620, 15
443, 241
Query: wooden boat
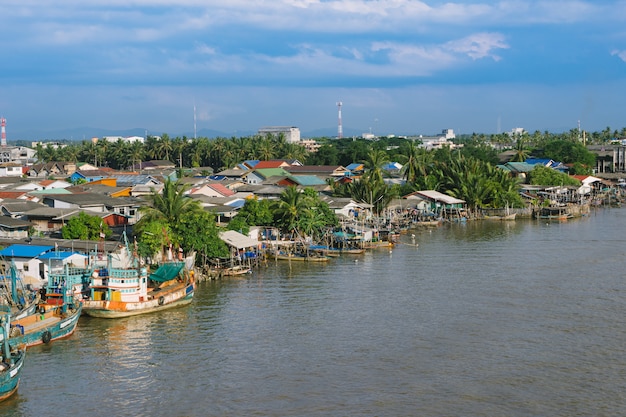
56, 317
506, 217
236, 270
296, 257
22, 301
554, 213
11, 360
122, 292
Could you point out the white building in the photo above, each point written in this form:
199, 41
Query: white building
129, 139
292, 134
438, 142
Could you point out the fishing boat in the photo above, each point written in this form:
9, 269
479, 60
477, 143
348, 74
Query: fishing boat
55, 318
21, 301
11, 360
558, 213
127, 290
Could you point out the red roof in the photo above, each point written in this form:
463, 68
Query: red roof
226, 192
271, 164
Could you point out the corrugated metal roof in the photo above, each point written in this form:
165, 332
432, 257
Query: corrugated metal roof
437, 196
237, 240
25, 251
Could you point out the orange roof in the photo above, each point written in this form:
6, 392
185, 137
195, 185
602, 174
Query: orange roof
11, 194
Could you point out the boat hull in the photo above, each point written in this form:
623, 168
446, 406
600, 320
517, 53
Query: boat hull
51, 328
10, 375
119, 309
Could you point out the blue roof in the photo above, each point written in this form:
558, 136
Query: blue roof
354, 166
237, 203
542, 161
24, 251
58, 255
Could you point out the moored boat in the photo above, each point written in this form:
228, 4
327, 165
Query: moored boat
122, 292
298, 257
11, 360
56, 317
21, 301
236, 270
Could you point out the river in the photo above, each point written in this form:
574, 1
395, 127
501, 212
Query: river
521, 318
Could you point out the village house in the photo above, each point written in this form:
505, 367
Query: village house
26, 260
14, 228
11, 169
50, 169
322, 171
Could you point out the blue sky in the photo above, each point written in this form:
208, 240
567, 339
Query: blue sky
398, 66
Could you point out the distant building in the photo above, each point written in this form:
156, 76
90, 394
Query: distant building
310, 145
128, 139
438, 142
292, 134
17, 154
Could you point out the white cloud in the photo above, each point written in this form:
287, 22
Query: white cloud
620, 54
479, 45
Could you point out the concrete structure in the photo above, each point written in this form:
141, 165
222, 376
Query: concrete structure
292, 134
129, 139
438, 142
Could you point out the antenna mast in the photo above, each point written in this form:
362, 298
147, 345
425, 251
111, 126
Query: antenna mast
339, 127
3, 122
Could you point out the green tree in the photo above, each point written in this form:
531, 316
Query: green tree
86, 227
153, 237
541, 175
198, 232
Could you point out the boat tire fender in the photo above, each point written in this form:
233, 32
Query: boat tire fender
46, 337
42, 310
161, 300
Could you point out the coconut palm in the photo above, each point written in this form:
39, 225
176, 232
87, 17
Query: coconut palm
288, 208
170, 205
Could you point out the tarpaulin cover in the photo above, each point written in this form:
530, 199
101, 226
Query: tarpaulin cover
167, 271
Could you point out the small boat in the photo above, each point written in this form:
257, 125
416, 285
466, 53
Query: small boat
506, 217
298, 257
236, 270
122, 292
56, 317
11, 360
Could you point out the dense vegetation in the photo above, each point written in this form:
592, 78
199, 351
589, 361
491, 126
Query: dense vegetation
469, 173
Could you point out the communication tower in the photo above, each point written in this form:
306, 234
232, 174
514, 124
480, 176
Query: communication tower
3, 123
339, 127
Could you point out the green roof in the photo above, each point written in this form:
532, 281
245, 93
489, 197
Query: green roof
270, 172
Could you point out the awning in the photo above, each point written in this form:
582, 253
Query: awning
238, 240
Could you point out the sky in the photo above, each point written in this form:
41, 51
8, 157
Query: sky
402, 67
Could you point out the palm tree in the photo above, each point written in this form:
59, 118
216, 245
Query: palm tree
373, 165
521, 152
411, 167
288, 208
170, 205
136, 154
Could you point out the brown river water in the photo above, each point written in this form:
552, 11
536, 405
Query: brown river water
521, 318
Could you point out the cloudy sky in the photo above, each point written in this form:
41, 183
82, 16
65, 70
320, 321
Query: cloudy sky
398, 66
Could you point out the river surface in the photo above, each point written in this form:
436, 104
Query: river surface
487, 318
